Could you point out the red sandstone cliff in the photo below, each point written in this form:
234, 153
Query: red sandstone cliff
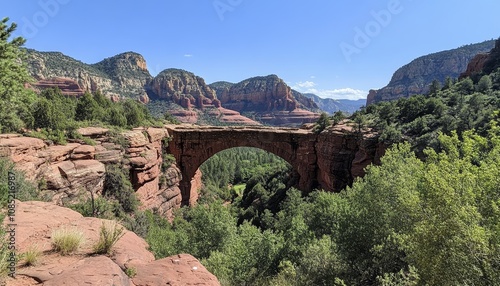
343, 153
77, 169
68, 86
269, 98
198, 102
476, 65
183, 88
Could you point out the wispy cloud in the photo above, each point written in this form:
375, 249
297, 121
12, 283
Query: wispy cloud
304, 84
340, 93
188, 55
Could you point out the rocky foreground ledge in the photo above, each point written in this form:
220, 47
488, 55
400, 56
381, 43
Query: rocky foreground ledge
35, 223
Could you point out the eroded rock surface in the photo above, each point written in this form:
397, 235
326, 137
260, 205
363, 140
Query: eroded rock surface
73, 172
37, 220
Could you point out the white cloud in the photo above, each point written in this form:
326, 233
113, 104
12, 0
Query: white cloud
304, 84
340, 93
343, 93
188, 56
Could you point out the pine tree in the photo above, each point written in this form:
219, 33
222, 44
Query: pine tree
15, 99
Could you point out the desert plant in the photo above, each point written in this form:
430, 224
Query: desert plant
66, 241
109, 234
131, 272
31, 256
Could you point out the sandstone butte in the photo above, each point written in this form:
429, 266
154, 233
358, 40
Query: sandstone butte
35, 223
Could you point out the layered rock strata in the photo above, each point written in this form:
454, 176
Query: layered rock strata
76, 171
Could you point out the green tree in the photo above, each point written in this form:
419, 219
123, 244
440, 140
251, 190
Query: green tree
116, 116
338, 116
360, 119
448, 83
134, 114
117, 186
435, 87
466, 85
53, 110
87, 108
484, 84
248, 256
322, 123
15, 99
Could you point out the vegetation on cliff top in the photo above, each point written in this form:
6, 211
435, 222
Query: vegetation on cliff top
456, 106
415, 77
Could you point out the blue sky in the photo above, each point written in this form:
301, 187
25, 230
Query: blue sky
337, 49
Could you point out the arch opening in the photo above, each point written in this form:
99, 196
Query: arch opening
193, 146
225, 174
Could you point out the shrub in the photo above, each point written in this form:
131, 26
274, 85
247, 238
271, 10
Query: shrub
66, 241
25, 190
31, 256
168, 160
117, 185
110, 233
131, 272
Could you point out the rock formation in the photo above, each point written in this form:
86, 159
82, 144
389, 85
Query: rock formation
330, 160
475, 66
126, 75
269, 98
68, 87
128, 72
77, 170
343, 154
306, 102
415, 77
183, 88
123, 75
37, 220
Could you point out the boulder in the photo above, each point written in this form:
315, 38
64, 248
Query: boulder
135, 138
182, 269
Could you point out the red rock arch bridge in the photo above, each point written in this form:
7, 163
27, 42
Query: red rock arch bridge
329, 160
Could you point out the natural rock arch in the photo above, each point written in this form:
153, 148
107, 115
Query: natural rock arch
193, 146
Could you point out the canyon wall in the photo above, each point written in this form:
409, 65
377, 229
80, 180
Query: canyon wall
75, 171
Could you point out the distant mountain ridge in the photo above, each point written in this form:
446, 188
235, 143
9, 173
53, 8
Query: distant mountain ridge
268, 98
125, 74
330, 105
415, 77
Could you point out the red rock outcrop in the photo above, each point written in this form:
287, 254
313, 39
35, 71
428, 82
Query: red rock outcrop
343, 154
185, 116
269, 97
67, 86
475, 65
231, 117
182, 269
37, 220
76, 171
416, 76
183, 88
295, 117
125, 74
